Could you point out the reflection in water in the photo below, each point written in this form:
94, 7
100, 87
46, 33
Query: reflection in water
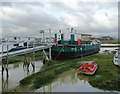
28, 63
4, 83
69, 81
17, 72
83, 77
15, 65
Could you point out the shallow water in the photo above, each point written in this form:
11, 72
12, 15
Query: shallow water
17, 73
109, 49
69, 81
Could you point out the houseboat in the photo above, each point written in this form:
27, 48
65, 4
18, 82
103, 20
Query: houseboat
75, 45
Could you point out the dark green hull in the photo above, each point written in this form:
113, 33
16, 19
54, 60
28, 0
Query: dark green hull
73, 51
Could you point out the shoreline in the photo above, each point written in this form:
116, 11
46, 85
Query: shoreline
52, 70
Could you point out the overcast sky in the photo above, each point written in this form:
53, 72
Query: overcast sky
27, 18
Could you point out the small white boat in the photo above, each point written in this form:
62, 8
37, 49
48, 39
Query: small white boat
116, 58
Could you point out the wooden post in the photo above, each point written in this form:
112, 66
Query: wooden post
43, 37
7, 71
34, 46
44, 61
33, 64
27, 45
2, 49
2, 61
50, 44
2, 84
44, 90
2, 69
50, 89
7, 54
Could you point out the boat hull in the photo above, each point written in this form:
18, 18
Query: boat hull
84, 69
71, 52
92, 73
116, 59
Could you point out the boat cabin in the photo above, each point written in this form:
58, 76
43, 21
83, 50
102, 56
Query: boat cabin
72, 39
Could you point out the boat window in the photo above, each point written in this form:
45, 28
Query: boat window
85, 68
15, 38
88, 69
82, 68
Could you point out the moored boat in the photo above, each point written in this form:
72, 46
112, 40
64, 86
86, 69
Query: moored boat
116, 59
88, 68
74, 45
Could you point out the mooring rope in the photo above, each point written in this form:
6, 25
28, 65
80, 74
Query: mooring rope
59, 52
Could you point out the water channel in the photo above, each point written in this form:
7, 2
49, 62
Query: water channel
68, 81
16, 73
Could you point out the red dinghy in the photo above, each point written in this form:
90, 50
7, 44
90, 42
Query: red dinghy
88, 68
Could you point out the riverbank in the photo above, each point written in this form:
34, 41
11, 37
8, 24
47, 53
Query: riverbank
110, 45
106, 76
114, 41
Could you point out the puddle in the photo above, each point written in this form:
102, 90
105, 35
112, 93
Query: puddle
69, 81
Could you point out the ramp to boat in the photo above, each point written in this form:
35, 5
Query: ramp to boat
23, 51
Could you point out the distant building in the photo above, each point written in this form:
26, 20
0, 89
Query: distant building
47, 39
92, 38
86, 37
20, 39
106, 38
39, 39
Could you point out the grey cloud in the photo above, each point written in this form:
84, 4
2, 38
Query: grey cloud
29, 18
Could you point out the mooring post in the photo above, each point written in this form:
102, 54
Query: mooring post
43, 38
34, 47
27, 44
2, 84
44, 61
50, 89
2, 69
50, 44
33, 64
24, 61
7, 82
2, 49
28, 60
2, 60
44, 90
7, 60
7, 71
7, 54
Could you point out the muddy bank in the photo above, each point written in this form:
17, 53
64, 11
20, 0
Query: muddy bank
106, 77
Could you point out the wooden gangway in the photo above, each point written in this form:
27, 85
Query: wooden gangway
24, 51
